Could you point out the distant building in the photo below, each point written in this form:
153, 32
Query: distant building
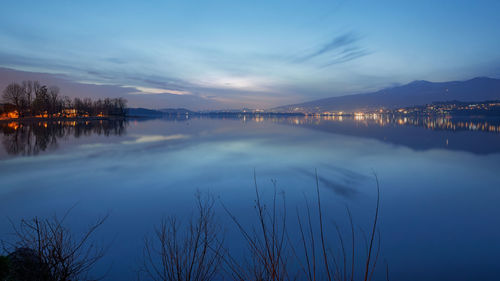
71, 112
8, 110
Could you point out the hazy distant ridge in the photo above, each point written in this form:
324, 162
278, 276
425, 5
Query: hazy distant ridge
145, 112
414, 93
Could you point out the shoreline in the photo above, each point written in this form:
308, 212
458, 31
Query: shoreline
214, 115
46, 119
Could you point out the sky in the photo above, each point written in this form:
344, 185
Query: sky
233, 54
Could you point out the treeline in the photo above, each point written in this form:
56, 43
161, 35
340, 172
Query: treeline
32, 99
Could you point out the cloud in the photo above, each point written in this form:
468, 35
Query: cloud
346, 56
337, 42
342, 48
205, 78
109, 72
91, 89
156, 91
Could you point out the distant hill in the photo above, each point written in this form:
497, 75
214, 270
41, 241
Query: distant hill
143, 112
414, 93
176, 111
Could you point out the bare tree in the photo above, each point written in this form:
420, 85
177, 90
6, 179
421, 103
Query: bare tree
319, 259
28, 91
33, 98
66, 256
121, 105
14, 94
36, 87
273, 252
55, 103
41, 102
67, 102
268, 244
193, 252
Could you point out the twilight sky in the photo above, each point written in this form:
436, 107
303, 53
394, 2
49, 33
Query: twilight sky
233, 54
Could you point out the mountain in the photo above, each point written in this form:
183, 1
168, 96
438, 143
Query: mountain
415, 93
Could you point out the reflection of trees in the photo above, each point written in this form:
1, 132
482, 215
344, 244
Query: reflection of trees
32, 138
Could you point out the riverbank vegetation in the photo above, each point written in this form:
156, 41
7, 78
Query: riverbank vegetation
32, 99
196, 250
47, 250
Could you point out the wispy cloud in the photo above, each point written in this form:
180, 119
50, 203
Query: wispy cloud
340, 49
347, 55
156, 91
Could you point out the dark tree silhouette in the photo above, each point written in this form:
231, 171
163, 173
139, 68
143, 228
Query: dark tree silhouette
64, 255
34, 99
192, 252
15, 95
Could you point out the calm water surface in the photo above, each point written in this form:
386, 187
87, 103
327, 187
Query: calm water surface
439, 178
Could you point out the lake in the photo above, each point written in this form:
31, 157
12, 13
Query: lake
439, 182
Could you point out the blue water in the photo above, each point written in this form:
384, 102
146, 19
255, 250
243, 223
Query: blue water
439, 182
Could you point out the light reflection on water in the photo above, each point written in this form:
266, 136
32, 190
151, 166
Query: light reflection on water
429, 122
440, 185
31, 138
